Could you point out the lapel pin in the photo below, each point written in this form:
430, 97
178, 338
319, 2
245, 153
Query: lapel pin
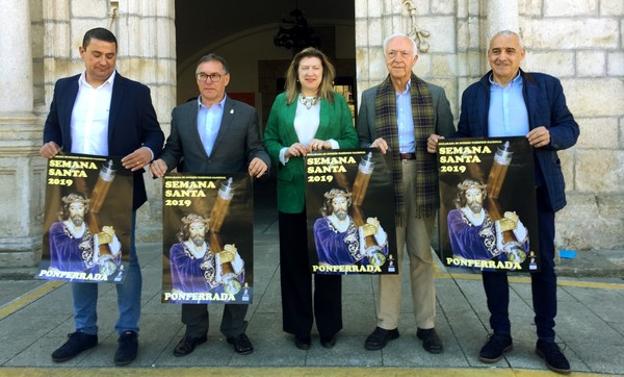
231, 111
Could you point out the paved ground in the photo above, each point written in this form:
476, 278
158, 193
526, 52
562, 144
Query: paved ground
36, 316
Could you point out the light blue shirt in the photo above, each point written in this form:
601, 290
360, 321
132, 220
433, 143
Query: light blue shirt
405, 121
507, 114
209, 122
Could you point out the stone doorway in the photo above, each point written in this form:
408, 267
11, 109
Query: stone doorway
243, 33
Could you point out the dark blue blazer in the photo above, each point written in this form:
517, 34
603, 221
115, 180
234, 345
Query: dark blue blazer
132, 122
546, 106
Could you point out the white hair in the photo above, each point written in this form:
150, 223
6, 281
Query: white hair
396, 35
506, 33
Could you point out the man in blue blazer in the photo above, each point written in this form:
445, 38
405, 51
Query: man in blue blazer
99, 112
510, 102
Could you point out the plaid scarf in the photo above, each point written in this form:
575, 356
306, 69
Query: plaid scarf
426, 187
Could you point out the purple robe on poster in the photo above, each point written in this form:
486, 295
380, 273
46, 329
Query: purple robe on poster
187, 274
66, 252
474, 241
338, 248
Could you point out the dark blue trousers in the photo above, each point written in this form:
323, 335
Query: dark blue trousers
543, 283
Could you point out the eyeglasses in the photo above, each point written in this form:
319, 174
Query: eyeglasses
203, 77
395, 53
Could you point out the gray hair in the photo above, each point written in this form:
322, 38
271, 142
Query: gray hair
506, 33
214, 58
396, 35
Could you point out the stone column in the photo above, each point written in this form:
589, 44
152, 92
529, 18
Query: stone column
21, 171
502, 15
147, 53
15, 58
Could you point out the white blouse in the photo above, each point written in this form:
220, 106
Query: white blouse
306, 124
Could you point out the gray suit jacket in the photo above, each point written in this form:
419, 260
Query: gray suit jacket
237, 142
442, 116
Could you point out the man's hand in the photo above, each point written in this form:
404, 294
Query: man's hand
317, 145
373, 221
158, 168
508, 222
296, 150
539, 137
106, 235
371, 226
137, 159
432, 143
257, 167
49, 149
381, 144
228, 253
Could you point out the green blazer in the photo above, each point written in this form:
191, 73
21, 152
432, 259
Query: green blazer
335, 123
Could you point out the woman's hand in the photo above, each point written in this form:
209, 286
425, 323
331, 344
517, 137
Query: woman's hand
317, 145
296, 150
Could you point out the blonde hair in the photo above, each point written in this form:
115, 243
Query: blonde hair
293, 86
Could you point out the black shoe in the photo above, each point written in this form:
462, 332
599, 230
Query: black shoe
328, 342
495, 348
242, 344
379, 338
77, 342
187, 344
552, 355
128, 345
303, 343
431, 341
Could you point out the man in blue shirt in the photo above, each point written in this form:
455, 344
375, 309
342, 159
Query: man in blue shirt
510, 102
213, 135
100, 112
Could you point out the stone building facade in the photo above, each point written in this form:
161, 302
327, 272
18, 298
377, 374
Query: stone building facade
579, 41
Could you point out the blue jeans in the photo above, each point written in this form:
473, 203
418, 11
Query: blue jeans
543, 283
128, 297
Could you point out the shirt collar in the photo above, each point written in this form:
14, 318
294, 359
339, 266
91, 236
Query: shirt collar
515, 81
407, 88
200, 105
82, 80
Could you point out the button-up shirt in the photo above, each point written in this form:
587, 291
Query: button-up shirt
507, 114
209, 123
89, 119
405, 121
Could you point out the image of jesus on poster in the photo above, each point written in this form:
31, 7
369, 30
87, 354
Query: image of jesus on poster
339, 241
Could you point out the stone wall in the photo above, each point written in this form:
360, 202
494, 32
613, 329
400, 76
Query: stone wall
579, 41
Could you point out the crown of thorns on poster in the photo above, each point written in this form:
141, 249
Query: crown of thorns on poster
358, 194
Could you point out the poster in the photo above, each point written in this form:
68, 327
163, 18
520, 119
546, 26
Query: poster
207, 239
87, 219
350, 212
488, 212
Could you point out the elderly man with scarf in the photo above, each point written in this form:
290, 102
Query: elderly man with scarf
397, 116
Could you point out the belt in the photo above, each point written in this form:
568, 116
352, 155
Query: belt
408, 156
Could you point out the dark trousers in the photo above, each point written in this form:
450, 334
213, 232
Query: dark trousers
195, 317
298, 312
543, 283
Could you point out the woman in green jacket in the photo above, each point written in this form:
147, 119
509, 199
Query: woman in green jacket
308, 116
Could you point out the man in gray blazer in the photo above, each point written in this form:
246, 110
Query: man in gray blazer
397, 116
213, 135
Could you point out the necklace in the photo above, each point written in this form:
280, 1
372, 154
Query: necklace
308, 102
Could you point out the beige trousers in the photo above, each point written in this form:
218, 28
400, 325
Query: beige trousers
415, 236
